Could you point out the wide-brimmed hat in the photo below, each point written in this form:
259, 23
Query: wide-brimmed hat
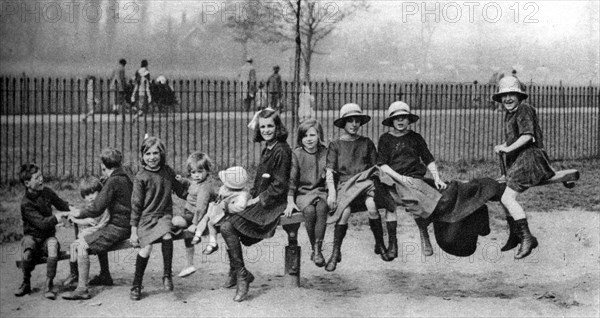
397, 109
351, 110
509, 84
234, 177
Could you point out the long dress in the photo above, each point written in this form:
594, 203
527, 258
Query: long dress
271, 183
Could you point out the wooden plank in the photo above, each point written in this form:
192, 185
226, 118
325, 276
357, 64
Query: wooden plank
570, 175
125, 244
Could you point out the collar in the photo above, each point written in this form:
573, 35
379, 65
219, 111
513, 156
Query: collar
271, 146
32, 194
347, 137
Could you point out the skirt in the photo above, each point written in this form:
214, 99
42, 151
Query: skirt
257, 222
104, 238
531, 167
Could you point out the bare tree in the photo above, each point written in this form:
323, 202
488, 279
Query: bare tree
317, 21
247, 24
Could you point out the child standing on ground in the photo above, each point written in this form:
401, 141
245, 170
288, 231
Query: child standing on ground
152, 211
39, 228
404, 152
91, 98
308, 191
346, 157
89, 189
527, 163
201, 191
231, 199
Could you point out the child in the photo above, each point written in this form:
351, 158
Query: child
201, 191
39, 228
527, 162
307, 101
89, 189
91, 99
152, 211
308, 191
141, 90
346, 157
231, 199
403, 152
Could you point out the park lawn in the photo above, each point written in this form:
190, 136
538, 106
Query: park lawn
546, 198
65, 146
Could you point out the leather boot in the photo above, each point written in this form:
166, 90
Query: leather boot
232, 277
513, 238
426, 248
377, 229
140, 268
528, 241
51, 264
243, 284
25, 287
336, 255
318, 255
393, 241
73, 276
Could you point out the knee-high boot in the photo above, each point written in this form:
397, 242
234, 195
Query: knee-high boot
232, 277
528, 241
377, 229
393, 241
243, 276
513, 238
336, 255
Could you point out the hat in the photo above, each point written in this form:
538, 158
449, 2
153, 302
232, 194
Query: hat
396, 109
161, 79
234, 177
509, 84
351, 110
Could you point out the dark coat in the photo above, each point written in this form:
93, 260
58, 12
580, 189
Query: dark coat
115, 197
260, 220
36, 212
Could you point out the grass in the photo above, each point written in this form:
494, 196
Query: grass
550, 198
65, 146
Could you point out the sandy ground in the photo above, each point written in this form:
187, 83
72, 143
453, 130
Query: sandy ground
560, 279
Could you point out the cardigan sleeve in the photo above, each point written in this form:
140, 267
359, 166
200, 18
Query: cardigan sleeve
294, 174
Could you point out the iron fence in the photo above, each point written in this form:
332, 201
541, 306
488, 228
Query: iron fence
42, 120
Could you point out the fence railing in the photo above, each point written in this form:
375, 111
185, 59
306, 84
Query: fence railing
42, 120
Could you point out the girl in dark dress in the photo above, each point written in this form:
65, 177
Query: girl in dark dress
152, 211
308, 192
259, 220
347, 156
404, 152
527, 162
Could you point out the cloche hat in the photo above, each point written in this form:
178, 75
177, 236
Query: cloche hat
396, 109
234, 177
509, 84
351, 110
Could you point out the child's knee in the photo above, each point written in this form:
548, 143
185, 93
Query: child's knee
167, 236
52, 247
145, 251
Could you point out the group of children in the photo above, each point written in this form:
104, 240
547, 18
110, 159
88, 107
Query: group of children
320, 180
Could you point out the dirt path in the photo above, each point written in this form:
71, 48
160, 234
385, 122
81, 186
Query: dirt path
560, 279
